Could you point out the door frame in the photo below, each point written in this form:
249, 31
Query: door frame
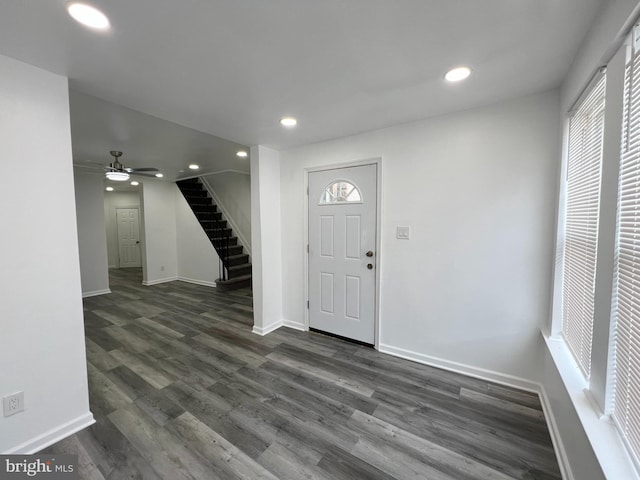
377, 161
115, 213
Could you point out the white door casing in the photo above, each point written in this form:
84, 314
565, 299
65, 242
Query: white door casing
342, 230
128, 237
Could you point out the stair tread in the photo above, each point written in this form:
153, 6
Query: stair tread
239, 267
238, 279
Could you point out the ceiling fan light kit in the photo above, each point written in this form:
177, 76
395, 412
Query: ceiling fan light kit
118, 176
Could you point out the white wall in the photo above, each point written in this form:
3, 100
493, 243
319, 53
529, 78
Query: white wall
268, 283
174, 246
113, 201
92, 242
232, 192
197, 259
160, 258
477, 188
42, 341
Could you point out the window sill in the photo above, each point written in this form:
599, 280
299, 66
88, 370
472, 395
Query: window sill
607, 444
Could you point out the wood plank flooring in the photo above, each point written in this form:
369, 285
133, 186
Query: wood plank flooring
181, 389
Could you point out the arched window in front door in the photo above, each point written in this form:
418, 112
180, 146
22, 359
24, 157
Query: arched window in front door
340, 191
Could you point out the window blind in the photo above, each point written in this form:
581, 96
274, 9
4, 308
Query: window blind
626, 306
586, 128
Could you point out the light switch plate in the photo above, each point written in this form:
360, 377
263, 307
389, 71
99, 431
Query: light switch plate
403, 233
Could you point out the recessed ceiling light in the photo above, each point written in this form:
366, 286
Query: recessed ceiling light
88, 16
159, 175
289, 122
109, 189
135, 184
242, 154
457, 74
193, 166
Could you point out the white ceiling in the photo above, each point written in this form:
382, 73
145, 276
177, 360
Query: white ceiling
98, 126
232, 68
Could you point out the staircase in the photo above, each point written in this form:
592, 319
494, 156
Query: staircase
235, 269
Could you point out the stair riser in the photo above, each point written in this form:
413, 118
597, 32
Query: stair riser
218, 232
204, 208
193, 192
221, 244
235, 249
215, 226
238, 261
233, 286
233, 273
209, 217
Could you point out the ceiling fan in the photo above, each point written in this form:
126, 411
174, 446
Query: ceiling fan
118, 172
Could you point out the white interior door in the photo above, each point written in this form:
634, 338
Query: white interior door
342, 251
128, 237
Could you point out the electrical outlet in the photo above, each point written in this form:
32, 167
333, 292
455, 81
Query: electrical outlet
13, 403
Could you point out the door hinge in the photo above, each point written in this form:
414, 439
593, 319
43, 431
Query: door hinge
307, 190
307, 248
307, 304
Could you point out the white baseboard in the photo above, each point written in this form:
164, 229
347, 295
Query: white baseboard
500, 378
262, 331
481, 373
52, 436
204, 283
148, 283
294, 325
95, 293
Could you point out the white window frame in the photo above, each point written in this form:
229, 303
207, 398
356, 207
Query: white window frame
625, 338
582, 205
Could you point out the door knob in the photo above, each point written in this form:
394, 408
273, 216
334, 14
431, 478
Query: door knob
369, 266
369, 253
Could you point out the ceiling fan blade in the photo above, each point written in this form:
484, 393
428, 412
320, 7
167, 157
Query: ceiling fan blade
144, 169
89, 165
140, 174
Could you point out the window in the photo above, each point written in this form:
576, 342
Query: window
626, 307
340, 192
581, 222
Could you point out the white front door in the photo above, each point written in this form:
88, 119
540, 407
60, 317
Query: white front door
128, 237
342, 251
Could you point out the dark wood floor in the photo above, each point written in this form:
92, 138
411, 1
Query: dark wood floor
182, 389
